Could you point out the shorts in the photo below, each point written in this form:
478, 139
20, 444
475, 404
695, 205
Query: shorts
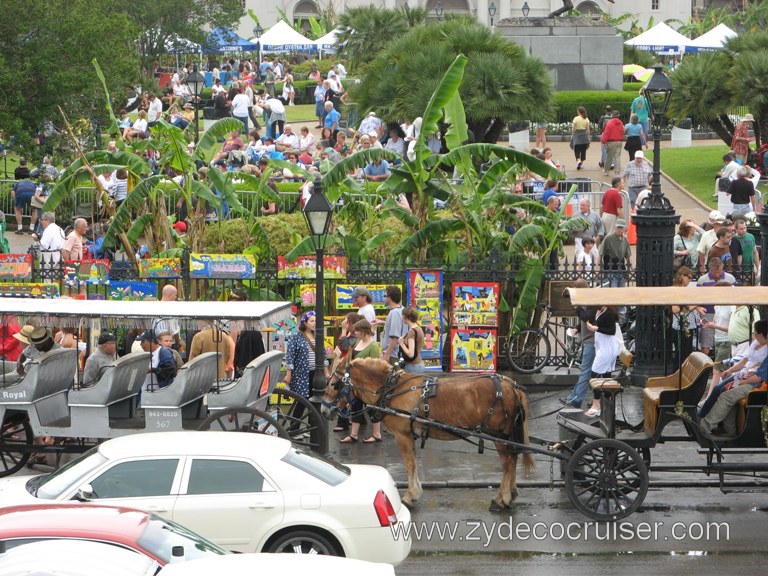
23, 200
722, 352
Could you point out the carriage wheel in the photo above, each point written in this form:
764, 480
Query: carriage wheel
244, 420
529, 351
15, 444
297, 415
606, 479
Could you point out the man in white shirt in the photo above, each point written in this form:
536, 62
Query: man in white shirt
362, 299
52, 240
287, 140
155, 110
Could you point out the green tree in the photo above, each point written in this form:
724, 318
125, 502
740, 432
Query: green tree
501, 82
708, 85
46, 48
365, 31
161, 21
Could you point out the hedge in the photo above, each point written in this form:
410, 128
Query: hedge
594, 101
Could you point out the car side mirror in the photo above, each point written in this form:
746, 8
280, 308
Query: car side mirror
84, 493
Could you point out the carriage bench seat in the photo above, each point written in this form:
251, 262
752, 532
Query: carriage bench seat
255, 385
116, 387
687, 385
193, 381
748, 423
42, 392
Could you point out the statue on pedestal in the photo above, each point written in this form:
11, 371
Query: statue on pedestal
567, 5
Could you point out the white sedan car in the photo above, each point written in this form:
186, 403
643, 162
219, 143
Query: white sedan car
246, 492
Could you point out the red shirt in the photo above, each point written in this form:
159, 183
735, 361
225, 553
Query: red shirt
612, 201
10, 347
614, 130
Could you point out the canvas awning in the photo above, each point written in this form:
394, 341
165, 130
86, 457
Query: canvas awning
660, 38
225, 40
712, 40
327, 43
669, 296
282, 38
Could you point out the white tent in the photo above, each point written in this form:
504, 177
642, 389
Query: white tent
327, 43
282, 38
660, 38
712, 40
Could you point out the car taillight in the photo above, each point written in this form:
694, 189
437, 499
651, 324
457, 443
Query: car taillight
384, 510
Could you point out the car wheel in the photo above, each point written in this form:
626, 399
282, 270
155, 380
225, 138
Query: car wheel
303, 542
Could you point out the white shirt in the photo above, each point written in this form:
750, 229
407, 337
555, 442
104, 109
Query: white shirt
276, 106
369, 314
240, 105
140, 125
155, 110
52, 241
290, 140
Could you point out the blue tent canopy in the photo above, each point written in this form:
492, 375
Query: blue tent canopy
225, 40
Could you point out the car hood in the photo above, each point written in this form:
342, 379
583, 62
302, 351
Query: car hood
14, 491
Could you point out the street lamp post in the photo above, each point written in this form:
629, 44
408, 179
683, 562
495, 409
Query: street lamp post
257, 32
195, 83
492, 11
526, 9
439, 10
655, 221
318, 212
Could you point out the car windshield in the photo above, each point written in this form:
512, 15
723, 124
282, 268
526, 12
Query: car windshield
328, 471
160, 536
51, 486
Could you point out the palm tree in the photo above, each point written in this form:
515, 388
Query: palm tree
365, 31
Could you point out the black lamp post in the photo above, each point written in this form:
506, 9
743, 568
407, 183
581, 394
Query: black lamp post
195, 83
526, 9
257, 32
492, 11
318, 212
655, 221
439, 10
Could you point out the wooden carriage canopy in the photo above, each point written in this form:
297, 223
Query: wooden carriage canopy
669, 296
101, 314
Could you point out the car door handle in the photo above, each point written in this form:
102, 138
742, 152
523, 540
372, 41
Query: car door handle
261, 505
157, 509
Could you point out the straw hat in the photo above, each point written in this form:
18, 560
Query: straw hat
24, 334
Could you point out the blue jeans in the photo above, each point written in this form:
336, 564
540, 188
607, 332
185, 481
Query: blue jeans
714, 395
580, 389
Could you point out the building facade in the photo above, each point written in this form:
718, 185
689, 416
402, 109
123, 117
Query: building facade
486, 11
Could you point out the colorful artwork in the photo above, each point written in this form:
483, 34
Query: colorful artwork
280, 333
133, 291
160, 268
15, 266
307, 295
334, 268
475, 304
240, 266
29, 290
344, 295
473, 350
94, 272
425, 289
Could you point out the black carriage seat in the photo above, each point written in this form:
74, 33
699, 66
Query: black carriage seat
115, 389
661, 392
193, 381
748, 422
253, 388
44, 385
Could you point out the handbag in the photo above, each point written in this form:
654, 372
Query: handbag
723, 184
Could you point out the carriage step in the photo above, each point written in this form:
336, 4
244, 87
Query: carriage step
754, 490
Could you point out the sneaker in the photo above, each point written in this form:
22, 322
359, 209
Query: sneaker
600, 164
613, 167
20, 231
605, 173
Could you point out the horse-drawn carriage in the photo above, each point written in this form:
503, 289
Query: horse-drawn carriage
606, 461
47, 411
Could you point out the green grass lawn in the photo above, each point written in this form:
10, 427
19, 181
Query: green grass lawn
694, 169
301, 114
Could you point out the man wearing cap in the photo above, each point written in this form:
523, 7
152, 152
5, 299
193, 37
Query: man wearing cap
40, 342
370, 123
637, 176
362, 299
104, 356
162, 369
616, 253
180, 227
741, 138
